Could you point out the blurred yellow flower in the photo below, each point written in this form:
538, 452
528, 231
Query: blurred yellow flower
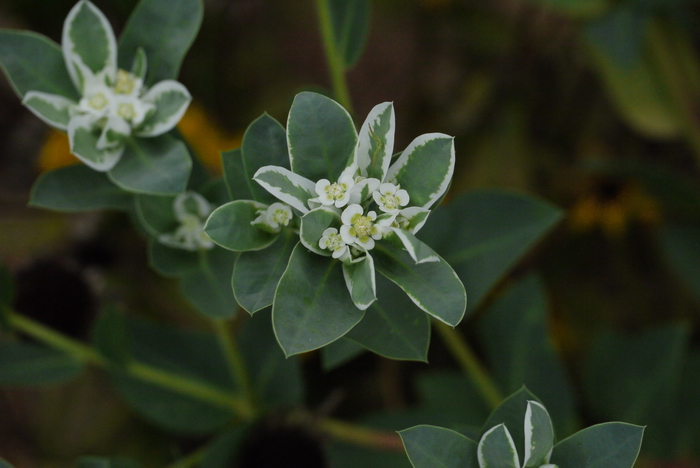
205, 137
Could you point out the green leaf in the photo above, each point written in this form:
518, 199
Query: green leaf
27, 364
78, 188
681, 245
539, 435
96, 462
350, 20
609, 445
159, 165
277, 380
230, 226
156, 213
169, 261
437, 447
635, 378
33, 62
209, 288
165, 45
483, 234
360, 280
339, 352
432, 286
313, 224
518, 349
419, 252
321, 136
393, 326
239, 185
497, 449
511, 413
109, 336
312, 306
375, 143
425, 168
84, 140
286, 186
264, 144
53, 109
257, 272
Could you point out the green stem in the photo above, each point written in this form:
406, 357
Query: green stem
229, 345
467, 360
336, 66
359, 435
141, 371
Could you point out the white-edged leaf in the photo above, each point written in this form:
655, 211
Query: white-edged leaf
425, 168
140, 65
497, 450
287, 186
51, 108
361, 282
418, 251
171, 99
375, 142
539, 435
83, 144
313, 224
413, 218
88, 43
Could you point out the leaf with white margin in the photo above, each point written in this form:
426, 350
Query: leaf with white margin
360, 280
432, 286
83, 144
288, 187
415, 218
418, 251
140, 64
229, 226
375, 142
171, 100
313, 224
539, 435
88, 43
497, 450
51, 108
425, 168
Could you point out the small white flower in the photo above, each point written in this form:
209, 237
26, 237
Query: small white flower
337, 193
191, 210
359, 228
331, 240
390, 198
273, 218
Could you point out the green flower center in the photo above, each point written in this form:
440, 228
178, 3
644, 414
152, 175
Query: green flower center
126, 111
391, 202
334, 242
362, 227
336, 191
98, 101
281, 217
125, 83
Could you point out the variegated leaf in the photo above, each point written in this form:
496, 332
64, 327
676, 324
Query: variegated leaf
497, 450
51, 108
287, 186
83, 144
312, 226
418, 251
140, 65
375, 142
539, 435
425, 168
361, 282
171, 100
88, 43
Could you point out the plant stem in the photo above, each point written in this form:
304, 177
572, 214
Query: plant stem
467, 360
336, 66
229, 345
141, 371
360, 435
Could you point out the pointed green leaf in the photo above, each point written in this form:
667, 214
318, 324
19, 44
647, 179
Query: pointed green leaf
257, 272
518, 349
165, 45
539, 435
312, 306
313, 224
321, 137
140, 64
26, 364
497, 449
425, 168
360, 281
158, 165
53, 109
78, 188
169, 261
609, 445
264, 144
286, 186
209, 287
88, 43
375, 142
350, 20
432, 286
437, 447
230, 226
170, 99
393, 326
511, 413
33, 62
484, 233
239, 185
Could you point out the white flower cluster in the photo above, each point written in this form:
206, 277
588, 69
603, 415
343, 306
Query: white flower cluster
191, 210
273, 217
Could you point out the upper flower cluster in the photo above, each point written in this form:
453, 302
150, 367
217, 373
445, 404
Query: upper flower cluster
190, 210
114, 103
